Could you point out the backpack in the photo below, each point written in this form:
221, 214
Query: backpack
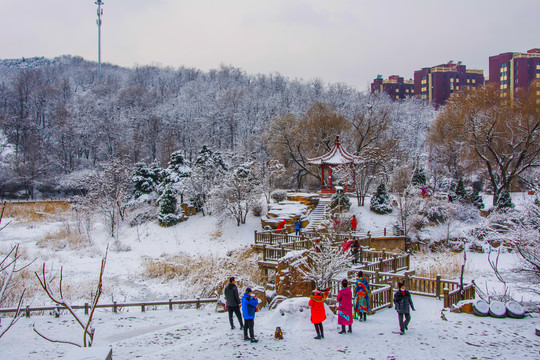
278, 334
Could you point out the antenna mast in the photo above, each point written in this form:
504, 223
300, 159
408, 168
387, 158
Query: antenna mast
98, 22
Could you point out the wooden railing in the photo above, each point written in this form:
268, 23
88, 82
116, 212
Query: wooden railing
114, 306
380, 297
453, 297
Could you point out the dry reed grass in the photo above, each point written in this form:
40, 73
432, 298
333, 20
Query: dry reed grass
206, 275
63, 238
35, 211
447, 264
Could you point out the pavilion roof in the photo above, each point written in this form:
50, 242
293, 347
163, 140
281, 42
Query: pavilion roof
336, 156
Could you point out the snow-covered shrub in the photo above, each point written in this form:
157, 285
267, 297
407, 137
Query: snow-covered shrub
380, 202
257, 209
140, 213
279, 195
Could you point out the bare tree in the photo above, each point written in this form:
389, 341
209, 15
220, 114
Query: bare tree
504, 138
324, 262
8, 267
88, 329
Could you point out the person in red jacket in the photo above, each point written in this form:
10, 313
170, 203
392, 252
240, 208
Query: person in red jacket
353, 223
281, 225
318, 313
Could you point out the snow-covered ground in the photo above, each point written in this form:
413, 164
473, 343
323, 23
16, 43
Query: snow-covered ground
198, 334
203, 334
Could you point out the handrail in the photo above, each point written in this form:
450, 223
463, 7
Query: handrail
115, 306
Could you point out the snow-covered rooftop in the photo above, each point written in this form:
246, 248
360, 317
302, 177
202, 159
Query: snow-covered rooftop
336, 156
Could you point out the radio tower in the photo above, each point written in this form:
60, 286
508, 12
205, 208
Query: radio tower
98, 22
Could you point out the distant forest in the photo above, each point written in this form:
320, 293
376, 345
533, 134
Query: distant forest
57, 120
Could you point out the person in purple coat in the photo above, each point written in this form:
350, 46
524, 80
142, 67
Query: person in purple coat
345, 313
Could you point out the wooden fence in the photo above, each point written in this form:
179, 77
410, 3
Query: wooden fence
114, 306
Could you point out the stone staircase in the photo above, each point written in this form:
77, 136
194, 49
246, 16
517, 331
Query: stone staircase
318, 215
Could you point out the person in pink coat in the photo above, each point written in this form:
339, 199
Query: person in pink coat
345, 313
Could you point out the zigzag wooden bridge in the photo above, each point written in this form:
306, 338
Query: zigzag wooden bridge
383, 269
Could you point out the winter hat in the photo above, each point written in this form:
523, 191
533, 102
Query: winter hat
317, 292
360, 274
231, 279
400, 284
248, 290
344, 283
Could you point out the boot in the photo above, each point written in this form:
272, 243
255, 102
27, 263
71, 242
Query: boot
365, 316
350, 328
342, 330
246, 338
253, 340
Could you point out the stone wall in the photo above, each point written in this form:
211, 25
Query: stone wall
289, 279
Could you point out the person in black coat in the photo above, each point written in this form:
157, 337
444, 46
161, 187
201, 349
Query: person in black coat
403, 303
233, 302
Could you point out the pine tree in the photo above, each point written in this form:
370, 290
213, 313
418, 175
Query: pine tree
477, 199
461, 194
167, 209
145, 179
340, 200
505, 201
419, 178
380, 202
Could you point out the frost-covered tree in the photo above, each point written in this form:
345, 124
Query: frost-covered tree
109, 189
208, 171
419, 179
380, 202
461, 194
273, 175
503, 137
145, 179
324, 262
239, 191
476, 199
504, 202
168, 215
177, 174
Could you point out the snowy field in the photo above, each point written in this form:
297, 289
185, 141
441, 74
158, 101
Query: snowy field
199, 334
204, 334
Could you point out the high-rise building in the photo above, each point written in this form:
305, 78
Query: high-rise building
514, 71
436, 84
394, 86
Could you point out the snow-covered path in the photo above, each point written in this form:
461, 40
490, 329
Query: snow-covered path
203, 334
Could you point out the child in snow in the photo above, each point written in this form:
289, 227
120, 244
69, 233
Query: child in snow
249, 304
353, 223
402, 302
318, 313
345, 315
361, 297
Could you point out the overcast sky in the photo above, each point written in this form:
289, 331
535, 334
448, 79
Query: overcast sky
348, 41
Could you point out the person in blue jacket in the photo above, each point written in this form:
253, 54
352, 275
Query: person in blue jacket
298, 226
249, 306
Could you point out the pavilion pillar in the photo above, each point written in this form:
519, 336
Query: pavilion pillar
330, 177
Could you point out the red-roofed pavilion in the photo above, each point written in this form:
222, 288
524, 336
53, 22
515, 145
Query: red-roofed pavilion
335, 157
